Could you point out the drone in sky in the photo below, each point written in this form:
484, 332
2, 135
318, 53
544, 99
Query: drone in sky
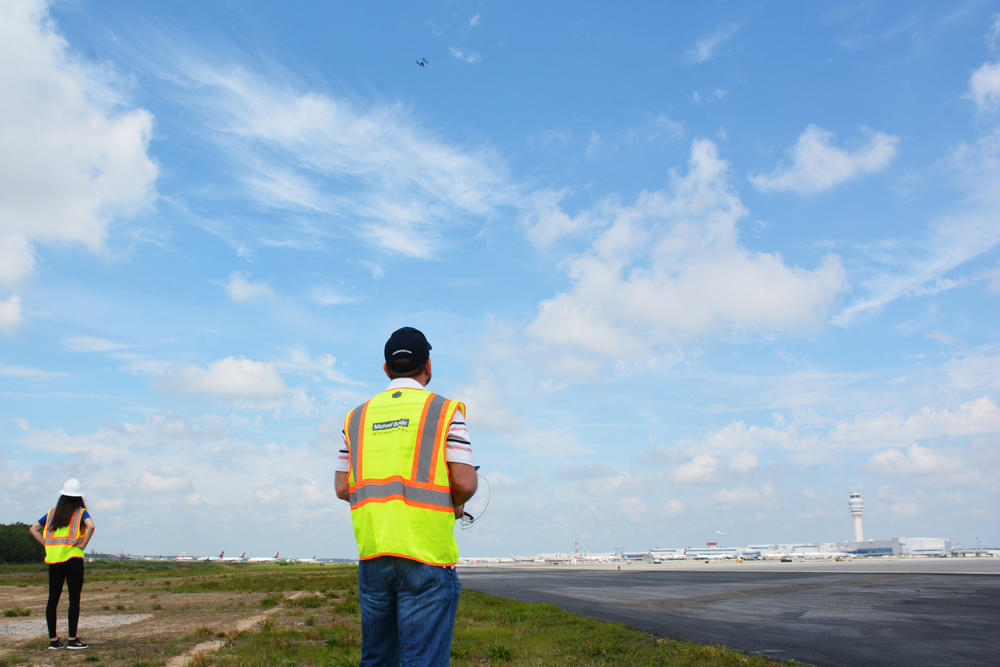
422, 62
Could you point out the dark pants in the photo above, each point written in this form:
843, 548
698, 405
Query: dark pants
70, 571
407, 612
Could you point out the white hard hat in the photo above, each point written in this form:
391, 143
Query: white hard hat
71, 488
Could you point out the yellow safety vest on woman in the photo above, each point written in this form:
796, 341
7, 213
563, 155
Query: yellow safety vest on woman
64, 542
399, 487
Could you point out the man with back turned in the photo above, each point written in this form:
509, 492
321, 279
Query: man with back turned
406, 469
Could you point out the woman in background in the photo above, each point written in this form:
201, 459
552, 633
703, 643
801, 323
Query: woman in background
65, 531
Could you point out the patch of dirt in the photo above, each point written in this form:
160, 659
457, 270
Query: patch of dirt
124, 623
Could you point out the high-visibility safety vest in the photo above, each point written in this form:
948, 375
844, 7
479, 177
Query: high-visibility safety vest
399, 487
64, 542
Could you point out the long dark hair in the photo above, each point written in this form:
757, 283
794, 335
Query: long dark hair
64, 510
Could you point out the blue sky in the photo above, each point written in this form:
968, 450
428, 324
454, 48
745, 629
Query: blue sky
696, 270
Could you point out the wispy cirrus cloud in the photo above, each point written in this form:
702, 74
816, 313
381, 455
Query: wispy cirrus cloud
704, 49
463, 55
921, 264
29, 373
349, 169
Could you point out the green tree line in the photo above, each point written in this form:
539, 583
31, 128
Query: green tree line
18, 546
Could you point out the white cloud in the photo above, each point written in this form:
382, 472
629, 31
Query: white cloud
975, 373
154, 483
326, 296
916, 460
229, 378
17, 259
240, 289
595, 145
816, 165
466, 56
976, 417
660, 130
10, 313
74, 156
28, 373
905, 508
323, 366
699, 470
704, 49
92, 344
474, 20
942, 337
715, 95
670, 269
267, 497
744, 461
546, 222
744, 495
984, 87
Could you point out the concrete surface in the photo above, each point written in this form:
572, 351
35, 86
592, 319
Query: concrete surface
929, 612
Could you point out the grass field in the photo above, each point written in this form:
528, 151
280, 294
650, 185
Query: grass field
139, 613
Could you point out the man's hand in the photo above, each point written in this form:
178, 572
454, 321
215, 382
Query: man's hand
459, 511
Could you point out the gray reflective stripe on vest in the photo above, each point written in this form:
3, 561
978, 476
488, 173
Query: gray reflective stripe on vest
428, 438
354, 438
398, 488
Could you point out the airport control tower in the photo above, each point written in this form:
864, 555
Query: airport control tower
857, 509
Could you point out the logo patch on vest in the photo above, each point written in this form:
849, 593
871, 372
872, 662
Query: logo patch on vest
397, 394
385, 426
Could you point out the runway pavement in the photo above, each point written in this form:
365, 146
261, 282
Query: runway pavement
928, 614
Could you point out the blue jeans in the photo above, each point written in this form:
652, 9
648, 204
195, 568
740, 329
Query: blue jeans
407, 611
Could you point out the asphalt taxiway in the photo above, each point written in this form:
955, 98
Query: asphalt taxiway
890, 613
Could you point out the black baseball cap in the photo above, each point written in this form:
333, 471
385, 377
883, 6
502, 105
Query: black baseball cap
406, 349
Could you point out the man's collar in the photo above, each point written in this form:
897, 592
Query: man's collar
404, 383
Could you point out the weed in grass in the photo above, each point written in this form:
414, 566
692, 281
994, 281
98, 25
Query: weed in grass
203, 633
11, 659
268, 602
14, 612
119, 607
157, 607
310, 602
499, 652
92, 658
310, 620
347, 606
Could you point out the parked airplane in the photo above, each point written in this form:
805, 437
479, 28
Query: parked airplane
305, 560
262, 559
232, 559
211, 558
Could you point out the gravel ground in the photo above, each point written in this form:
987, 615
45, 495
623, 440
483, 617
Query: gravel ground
24, 628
